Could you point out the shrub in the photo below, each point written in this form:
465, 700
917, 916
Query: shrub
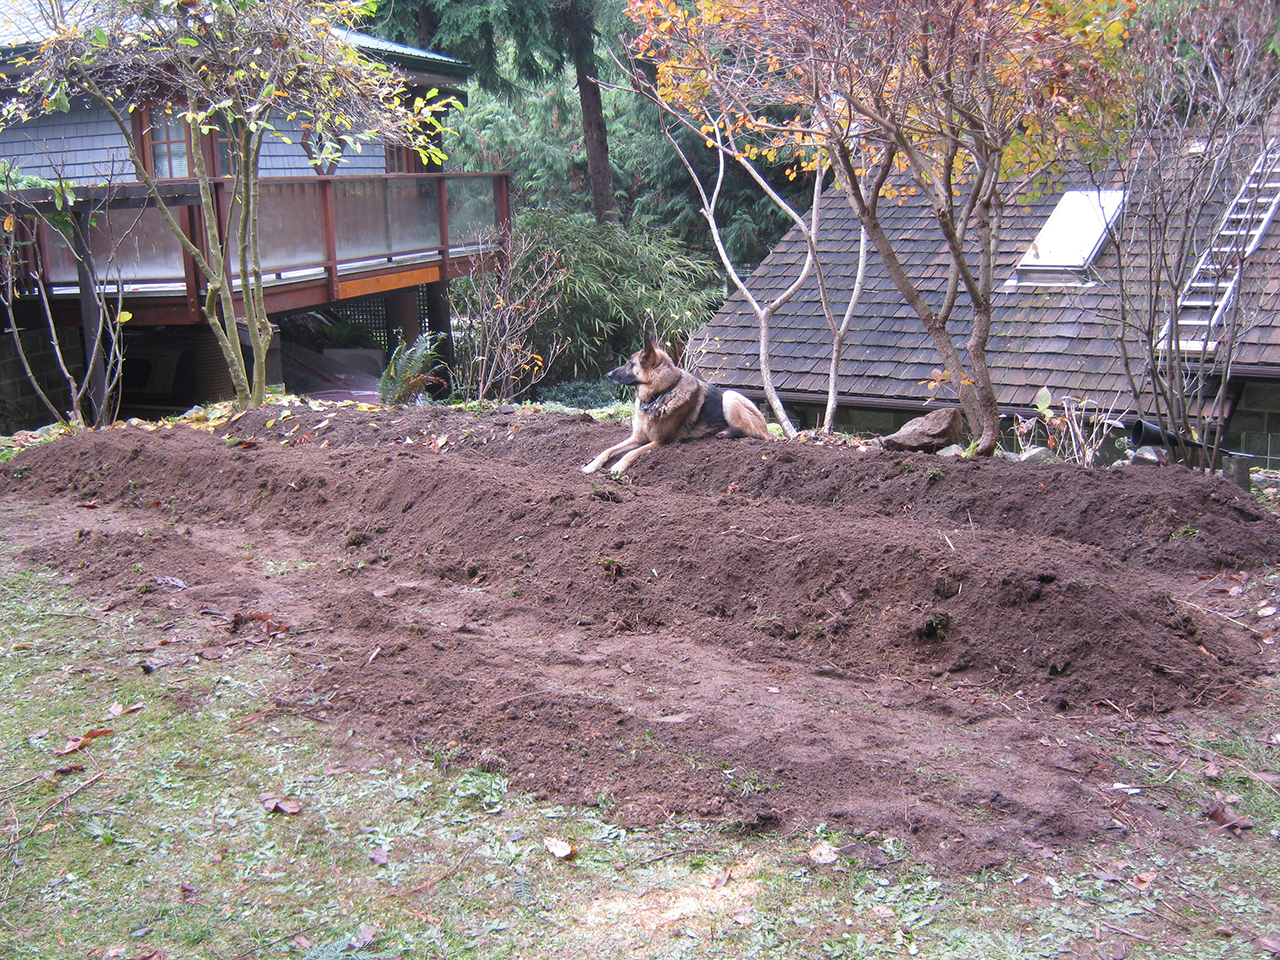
583, 394
614, 284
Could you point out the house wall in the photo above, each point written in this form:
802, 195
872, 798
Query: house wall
84, 146
20, 407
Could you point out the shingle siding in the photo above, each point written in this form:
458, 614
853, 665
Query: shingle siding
85, 146
82, 145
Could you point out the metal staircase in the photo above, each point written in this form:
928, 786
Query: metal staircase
1213, 284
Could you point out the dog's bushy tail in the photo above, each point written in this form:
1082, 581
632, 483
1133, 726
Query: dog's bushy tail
744, 417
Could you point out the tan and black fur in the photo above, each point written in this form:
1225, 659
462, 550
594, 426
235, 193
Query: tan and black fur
672, 404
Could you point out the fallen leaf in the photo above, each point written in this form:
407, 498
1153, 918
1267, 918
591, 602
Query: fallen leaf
275, 804
823, 854
1227, 819
1211, 771
1107, 876
88, 505
74, 768
1143, 880
301, 942
364, 936
881, 912
1269, 944
724, 877
119, 709
75, 744
379, 856
558, 848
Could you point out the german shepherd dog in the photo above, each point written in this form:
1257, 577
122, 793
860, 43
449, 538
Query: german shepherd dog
673, 404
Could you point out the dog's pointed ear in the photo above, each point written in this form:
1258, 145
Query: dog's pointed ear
650, 346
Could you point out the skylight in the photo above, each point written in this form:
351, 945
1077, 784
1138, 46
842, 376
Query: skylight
1071, 238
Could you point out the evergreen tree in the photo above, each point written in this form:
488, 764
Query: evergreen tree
539, 40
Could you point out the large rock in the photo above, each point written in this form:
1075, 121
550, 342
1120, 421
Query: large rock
927, 434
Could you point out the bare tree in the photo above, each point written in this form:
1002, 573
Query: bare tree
1195, 161
733, 141
499, 314
962, 102
30, 203
238, 68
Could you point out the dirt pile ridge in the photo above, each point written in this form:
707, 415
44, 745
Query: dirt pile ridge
759, 632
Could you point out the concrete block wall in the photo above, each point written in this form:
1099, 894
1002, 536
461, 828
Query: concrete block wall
1255, 425
20, 407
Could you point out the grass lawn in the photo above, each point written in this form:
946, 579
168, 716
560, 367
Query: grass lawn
180, 813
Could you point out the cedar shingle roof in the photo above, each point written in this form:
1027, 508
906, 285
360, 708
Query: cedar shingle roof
1064, 338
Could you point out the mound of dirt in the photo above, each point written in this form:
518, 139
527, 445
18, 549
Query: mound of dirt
742, 630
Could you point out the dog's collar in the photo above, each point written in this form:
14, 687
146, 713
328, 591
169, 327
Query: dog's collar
648, 406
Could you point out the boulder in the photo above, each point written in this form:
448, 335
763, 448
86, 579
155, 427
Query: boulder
927, 434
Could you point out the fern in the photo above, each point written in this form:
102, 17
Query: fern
414, 369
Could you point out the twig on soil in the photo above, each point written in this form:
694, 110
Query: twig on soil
251, 718
13, 787
1167, 918
255, 951
1250, 935
1214, 613
430, 885
1253, 774
753, 536
40, 814
664, 856
1127, 933
83, 616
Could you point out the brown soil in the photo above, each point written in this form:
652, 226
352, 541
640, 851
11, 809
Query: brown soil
760, 633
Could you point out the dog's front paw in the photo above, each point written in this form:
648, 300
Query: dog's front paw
618, 471
590, 468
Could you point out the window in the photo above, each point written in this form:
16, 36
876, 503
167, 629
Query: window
168, 147
404, 160
222, 153
1071, 238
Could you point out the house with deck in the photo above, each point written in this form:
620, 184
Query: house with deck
366, 246
1063, 316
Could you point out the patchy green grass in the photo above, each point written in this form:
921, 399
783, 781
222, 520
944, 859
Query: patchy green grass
172, 836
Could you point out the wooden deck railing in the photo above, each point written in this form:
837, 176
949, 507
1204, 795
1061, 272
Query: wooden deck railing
325, 237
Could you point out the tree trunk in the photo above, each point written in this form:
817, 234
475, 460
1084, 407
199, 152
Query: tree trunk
595, 135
